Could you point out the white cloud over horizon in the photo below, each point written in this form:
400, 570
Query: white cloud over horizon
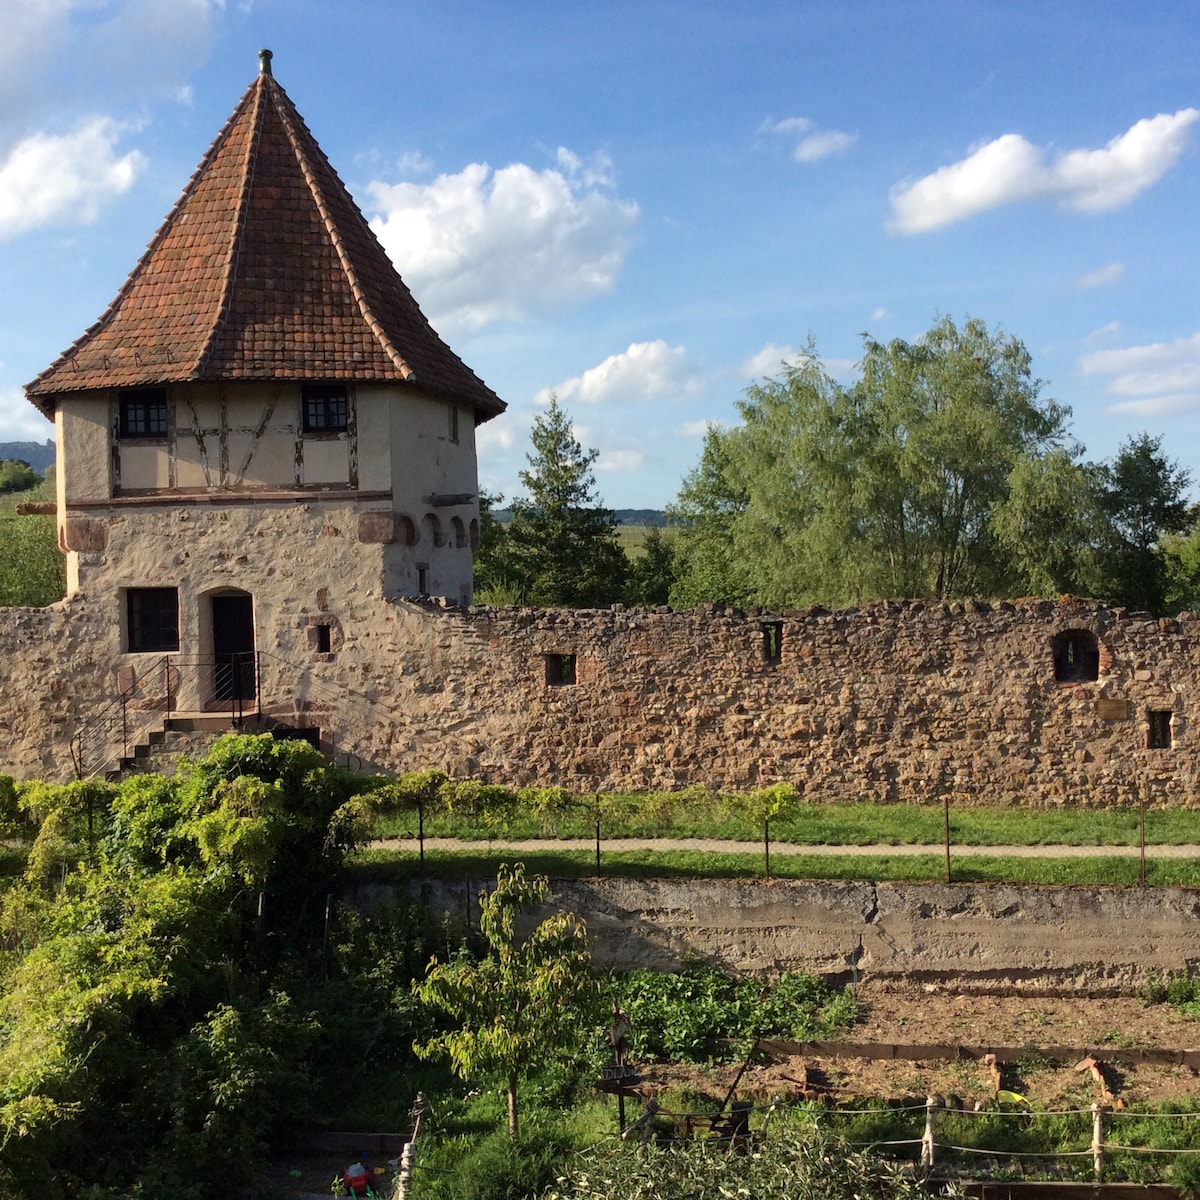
1010, 170
1159, 379
812, 142
22, 422
481, 246
64, 179
644, 371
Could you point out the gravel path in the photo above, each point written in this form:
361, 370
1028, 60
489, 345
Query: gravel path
615, 845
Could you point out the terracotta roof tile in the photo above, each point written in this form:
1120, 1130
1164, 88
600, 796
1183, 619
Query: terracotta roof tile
265, 269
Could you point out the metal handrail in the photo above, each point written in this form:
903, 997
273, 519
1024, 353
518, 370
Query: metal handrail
231, 684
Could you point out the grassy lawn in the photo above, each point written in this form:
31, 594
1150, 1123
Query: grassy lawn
700, 816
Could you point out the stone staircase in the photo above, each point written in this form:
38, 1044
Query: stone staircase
181, 736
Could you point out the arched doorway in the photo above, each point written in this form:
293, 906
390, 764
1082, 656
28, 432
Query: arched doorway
235, 667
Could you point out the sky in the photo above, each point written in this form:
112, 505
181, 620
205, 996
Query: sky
645, 206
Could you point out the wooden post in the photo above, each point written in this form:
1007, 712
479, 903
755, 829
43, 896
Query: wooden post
404, 1177
946, 806
597, 833
927, 1140
1142, 833
767, 850
1098, 1143
421, 831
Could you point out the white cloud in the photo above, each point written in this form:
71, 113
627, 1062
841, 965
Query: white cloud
1010, 169
812, 143
503, 432
20, 421
60, 54
1160, 378
879, 314
484, 245
646, 371
822, 144
1104, 276
65, 179
620, 462
1105, 333
768, 362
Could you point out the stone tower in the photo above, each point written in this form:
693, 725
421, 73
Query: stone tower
262, 433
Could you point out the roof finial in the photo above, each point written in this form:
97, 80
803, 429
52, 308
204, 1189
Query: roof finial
264, 62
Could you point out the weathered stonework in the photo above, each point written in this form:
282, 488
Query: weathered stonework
896, 702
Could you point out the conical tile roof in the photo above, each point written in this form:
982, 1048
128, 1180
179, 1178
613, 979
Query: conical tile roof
265, 269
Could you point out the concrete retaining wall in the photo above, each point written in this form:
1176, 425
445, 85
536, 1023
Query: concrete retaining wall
975, 938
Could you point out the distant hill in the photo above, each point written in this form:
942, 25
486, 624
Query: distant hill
38, 455
625, 516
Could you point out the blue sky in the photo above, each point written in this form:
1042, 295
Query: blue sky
647, 206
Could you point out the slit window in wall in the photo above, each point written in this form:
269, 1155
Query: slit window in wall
772, 643
325, 408
560, 670
1076, 656
152, 620
324, 637
422, 579
1159, 735
454, 423
143, 413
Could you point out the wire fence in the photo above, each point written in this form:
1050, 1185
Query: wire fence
933, 1142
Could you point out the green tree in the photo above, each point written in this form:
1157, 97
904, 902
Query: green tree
561, 545
704, 515
652, 574
1051, 526
524, 1003
16, 475
891, 487
1144, 494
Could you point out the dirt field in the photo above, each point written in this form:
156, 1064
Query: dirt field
901, 1017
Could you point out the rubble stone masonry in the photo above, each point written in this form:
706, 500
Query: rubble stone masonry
892, 702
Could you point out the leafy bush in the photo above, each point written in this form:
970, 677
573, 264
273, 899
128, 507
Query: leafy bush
694, 1015
801, 1161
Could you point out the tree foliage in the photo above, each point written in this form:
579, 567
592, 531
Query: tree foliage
1144, 496
942, 472
138, 1043
561, 546
522, 1004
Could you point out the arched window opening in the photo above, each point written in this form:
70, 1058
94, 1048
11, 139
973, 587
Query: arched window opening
1076, 656
431, 526
460, 532
406, 530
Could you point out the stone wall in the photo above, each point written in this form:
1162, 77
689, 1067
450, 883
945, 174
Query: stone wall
973, 938
894, 702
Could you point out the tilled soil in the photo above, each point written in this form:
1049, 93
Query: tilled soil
896, 1016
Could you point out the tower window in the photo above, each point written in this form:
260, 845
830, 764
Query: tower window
152, 619
324, 639
772, 632
1159, 736
326, 408
1076, 656
560, 670
143, 413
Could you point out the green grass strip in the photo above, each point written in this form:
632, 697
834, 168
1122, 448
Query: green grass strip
826, 824
394, 865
